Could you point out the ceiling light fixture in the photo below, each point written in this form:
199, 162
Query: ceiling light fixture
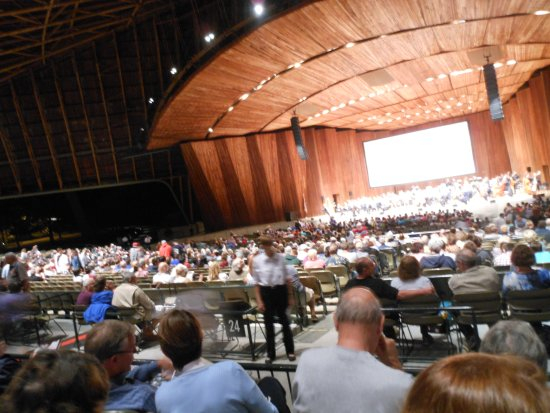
209, 37
541, 12
258, 9
173, 70
441, 76
497, 65
230, 109
460, 21
511, 62
245, 96
210, 130
350, 45
151, 100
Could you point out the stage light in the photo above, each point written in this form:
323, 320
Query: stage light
173, 70
151, 100
209, 37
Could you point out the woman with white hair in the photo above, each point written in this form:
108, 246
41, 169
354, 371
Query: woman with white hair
181, 274
313, 262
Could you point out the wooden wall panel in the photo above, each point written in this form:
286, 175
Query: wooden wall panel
526, 126
257, 178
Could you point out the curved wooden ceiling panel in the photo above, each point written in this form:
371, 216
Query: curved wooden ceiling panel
323, 61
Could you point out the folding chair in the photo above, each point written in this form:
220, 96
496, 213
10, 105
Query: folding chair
313, 282
329, 283
532, 306
341, 272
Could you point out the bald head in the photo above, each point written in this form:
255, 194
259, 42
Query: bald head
358, 306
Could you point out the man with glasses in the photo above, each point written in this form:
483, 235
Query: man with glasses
114, 344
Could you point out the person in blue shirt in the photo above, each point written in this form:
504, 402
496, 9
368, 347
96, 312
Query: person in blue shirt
524, 277
113, 343
199, 386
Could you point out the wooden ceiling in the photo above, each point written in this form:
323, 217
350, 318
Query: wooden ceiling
320, 60
33, 31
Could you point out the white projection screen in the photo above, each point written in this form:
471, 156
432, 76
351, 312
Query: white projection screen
424, 155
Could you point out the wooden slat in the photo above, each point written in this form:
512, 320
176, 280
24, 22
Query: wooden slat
26, 136
383, 33
47, 131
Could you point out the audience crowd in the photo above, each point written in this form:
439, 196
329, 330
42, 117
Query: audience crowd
363, 369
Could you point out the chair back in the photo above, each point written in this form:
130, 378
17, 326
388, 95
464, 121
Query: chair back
532, 305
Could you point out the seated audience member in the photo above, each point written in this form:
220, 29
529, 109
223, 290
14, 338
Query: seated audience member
100, 302
479, 383
504, 258
239, 271
214, 272
472, 278
417, 250
409, 279
56, 382
199, 386
181, 274
518, 338
163, 275
484, 257
129, 295
335, 259
361, 373
85, 296
541, 257
437, 259
113, 343
524, 277
8, 367
290, 256
298, 286
313, 262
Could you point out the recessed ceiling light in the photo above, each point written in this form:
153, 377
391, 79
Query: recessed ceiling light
342, 105
297, 65
388, 114
362, 98
459, 104
209, 37
332, 109
350, 45
460, 21
210, 130
258, 87
541, 12
245, 96
497, 65
324, 112
230, 109
351, 102
441, 76
173, 70
372, 94
317, 115
151, 100
511, 62
258, 9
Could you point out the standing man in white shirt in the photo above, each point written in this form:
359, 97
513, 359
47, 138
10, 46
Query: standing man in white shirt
273, 289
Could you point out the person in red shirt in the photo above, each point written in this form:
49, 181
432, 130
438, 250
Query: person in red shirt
165, 250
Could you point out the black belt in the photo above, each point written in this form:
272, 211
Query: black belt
272, 287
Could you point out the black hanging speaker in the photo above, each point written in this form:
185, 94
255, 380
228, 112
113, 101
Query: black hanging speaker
297, 132
495, 105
